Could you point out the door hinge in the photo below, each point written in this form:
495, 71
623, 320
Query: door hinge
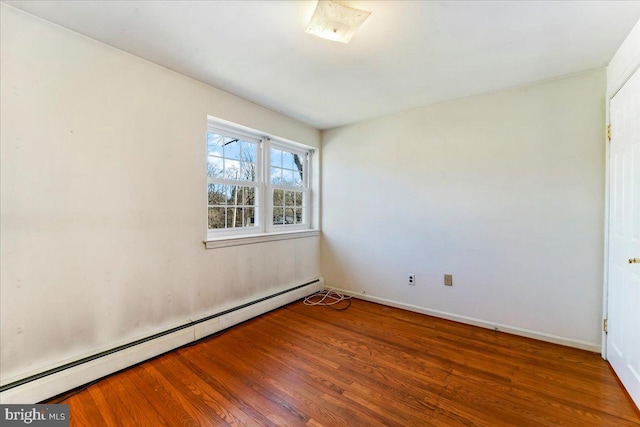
605, 325
609, 132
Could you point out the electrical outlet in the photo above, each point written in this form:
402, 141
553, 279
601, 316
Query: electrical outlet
448, 279
412, 279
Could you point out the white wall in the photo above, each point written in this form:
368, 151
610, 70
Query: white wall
103, 198
504, 191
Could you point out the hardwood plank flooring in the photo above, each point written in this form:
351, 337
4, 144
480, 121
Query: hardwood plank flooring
369, 365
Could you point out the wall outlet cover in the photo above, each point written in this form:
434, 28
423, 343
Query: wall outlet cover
448, 279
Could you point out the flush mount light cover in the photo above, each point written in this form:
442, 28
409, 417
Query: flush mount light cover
335, 21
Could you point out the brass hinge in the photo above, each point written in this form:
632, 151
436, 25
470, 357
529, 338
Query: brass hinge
605, 325
609, 132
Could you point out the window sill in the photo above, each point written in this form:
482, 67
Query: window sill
224, 242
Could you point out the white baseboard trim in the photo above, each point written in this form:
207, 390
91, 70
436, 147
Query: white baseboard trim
583, 345
76, 376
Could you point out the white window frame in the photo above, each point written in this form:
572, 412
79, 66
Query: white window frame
306, 199
258, 184
264, 230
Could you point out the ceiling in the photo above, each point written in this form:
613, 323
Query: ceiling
407, 54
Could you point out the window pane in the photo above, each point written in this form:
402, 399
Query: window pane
289, 216
248, 152
216, 218
276, 175
250, 196
232, 148
232, 216
249, 217
228, 193
214, 167
298, 196
288, 198
247, 171
216, 194
214, 144
287, 160
237, 194
238, 215
278, 198
297, 178
232, 169
276, 158
287, 177
278, 216
298, 216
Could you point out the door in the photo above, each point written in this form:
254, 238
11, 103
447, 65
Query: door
623, 339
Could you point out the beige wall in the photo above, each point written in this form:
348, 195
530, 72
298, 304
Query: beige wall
504, 191
103, 198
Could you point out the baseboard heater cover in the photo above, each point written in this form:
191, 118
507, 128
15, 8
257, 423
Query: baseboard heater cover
151, 346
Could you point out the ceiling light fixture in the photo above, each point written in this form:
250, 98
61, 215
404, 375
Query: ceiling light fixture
335, 21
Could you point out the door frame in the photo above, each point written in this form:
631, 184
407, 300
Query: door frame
611, 92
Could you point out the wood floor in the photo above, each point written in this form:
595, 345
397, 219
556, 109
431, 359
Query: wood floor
370, 365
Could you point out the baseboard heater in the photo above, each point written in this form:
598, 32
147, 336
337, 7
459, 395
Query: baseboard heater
60, 370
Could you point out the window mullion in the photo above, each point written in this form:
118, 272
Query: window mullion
262, 166
268, 191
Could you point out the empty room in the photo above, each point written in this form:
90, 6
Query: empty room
320, 213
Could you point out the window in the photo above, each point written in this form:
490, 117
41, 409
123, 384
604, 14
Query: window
288, 187
233, 171
254, 184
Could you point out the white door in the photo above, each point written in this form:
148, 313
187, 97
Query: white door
623, 339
